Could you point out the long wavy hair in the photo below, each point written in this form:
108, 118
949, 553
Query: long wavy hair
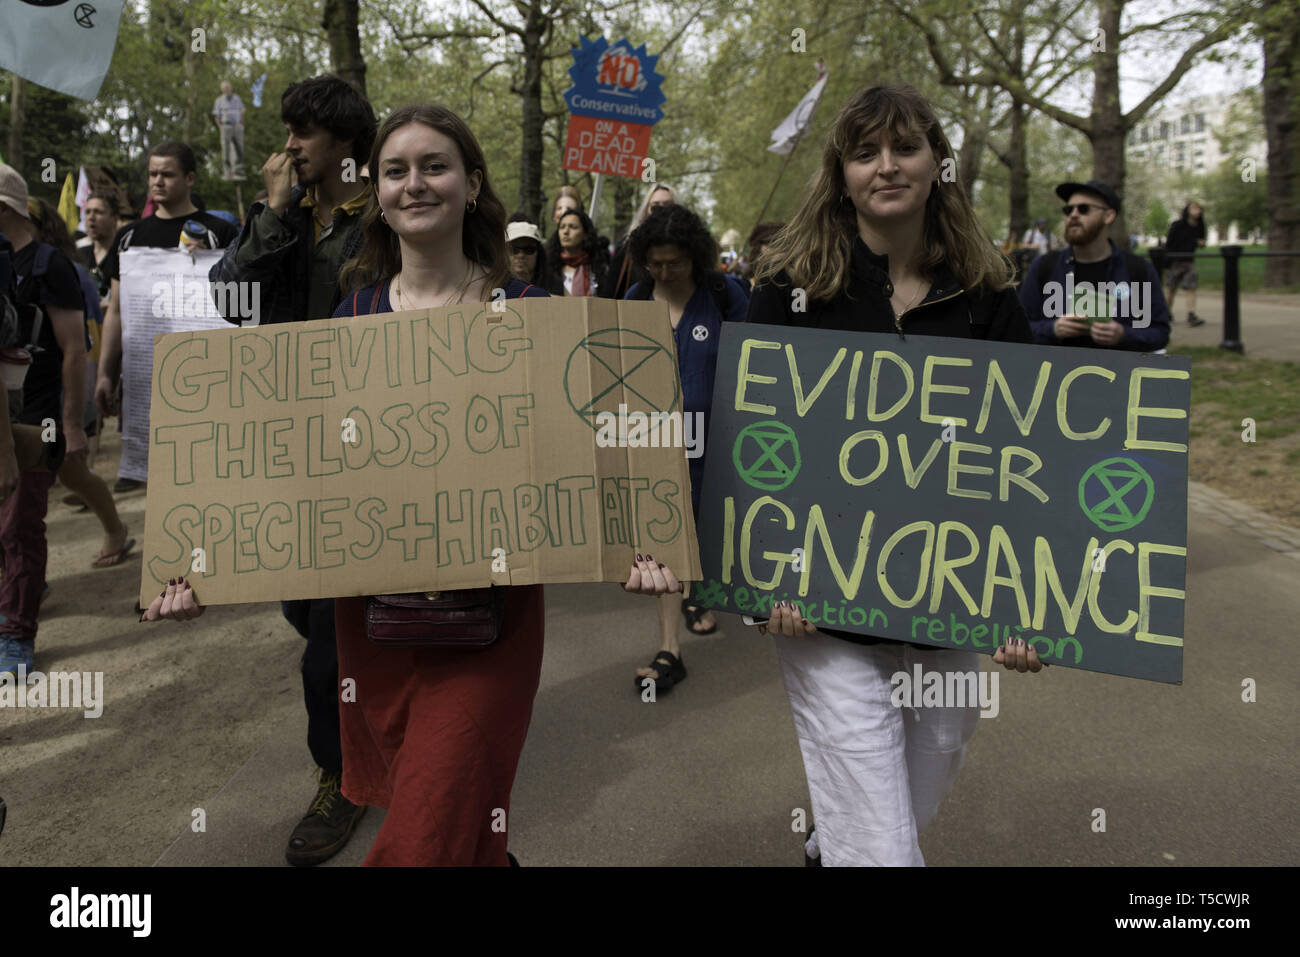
814, 249
591, 245
50, 227
644, 209
483, 232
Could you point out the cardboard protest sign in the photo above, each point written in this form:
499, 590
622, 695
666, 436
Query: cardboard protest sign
952, 492
413, 451
615, 101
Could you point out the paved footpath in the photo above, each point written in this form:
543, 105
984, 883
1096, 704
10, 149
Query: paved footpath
711, 774
209, 715
1270, 323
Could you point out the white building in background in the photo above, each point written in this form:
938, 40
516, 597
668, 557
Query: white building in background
1177, 140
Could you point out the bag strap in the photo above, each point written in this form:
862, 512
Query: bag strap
41, 265
718, 289
622, 273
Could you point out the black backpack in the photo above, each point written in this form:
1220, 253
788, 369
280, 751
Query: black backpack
20, 326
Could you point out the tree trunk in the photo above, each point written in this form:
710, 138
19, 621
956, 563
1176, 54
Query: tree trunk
14, 153
340, 22
1281, 35
1108, 129
974, 138
1018, 170
531, 147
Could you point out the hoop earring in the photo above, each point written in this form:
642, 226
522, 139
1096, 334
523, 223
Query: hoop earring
471, 206
382, 218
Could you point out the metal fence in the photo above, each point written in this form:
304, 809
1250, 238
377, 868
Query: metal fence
1231, 255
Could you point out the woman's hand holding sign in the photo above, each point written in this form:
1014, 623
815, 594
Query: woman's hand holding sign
177, 603
649, 577
1019, 655
786, 620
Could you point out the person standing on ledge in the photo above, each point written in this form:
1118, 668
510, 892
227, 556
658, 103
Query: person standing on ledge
228, 118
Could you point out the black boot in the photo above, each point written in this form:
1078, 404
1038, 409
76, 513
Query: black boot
328, 824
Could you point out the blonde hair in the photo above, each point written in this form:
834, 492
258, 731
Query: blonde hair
644, 211
814, 248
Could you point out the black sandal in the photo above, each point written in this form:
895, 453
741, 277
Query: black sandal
670, 670
693, 614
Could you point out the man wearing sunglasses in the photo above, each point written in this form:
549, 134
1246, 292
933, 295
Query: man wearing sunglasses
1092, 293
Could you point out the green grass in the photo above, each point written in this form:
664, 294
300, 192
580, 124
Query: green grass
1250, 271
1227, 387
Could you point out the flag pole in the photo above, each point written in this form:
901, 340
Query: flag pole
799, 137
768, 202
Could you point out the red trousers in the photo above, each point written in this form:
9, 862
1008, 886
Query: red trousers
22, 544
435, 736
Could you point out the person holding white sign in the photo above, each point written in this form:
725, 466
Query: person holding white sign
172, 171
881, 243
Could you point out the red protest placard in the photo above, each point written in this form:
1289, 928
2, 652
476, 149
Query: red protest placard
606, 146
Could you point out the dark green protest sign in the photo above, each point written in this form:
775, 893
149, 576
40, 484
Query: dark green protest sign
953, 493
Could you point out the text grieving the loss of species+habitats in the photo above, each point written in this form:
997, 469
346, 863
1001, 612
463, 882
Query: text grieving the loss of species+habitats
952, 492
451, 447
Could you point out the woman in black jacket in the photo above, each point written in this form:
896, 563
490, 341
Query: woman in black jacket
881, 243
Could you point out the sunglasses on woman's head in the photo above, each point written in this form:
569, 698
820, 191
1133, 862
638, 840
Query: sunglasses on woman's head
1083, 208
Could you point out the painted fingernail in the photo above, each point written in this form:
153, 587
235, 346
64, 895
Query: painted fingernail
649, 557
171, 581
639, 558
661, 565
1020, 642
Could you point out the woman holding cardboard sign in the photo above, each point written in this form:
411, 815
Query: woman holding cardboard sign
443, 683
884, 241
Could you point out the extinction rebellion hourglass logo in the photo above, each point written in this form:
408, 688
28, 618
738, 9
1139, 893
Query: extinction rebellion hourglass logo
82, 13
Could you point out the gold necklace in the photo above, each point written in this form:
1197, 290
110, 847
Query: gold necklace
459, 291
920, 292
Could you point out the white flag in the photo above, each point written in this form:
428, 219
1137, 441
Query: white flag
60, 44
796, 124
83, 194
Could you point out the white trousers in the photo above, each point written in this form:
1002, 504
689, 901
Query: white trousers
876, 773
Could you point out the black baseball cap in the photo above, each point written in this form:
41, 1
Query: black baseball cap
1096, 187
